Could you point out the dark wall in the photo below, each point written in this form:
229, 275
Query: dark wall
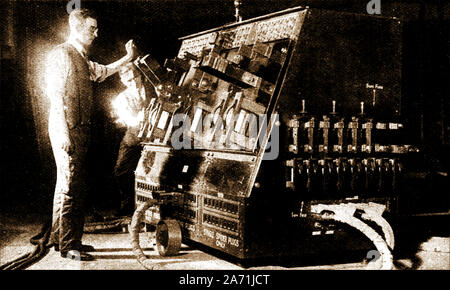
27, 165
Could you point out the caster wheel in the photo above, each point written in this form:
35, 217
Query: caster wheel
168, 237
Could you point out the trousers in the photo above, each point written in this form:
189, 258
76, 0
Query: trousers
127, 160
70, 189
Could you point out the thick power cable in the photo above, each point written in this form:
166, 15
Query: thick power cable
373, 212
344, 213
40, 250
135, 228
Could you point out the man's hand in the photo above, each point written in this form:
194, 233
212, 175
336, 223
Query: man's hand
114, 67
131, 49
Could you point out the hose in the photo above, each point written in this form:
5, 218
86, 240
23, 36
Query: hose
41, 243
344, 213
134, 233
95, 227
376, 217
40, 250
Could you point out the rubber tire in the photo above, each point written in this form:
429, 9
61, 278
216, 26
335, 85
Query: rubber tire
168, 237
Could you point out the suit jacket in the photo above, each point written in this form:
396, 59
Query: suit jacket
69, 85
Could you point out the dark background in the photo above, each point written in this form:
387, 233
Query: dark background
31, 28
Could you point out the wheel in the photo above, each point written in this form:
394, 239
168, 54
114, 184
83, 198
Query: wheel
168, 237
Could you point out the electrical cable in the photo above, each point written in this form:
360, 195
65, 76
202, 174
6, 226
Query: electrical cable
344, 213
134, 233
40, 250
40, 241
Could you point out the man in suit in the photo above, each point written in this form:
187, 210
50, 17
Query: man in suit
69, 77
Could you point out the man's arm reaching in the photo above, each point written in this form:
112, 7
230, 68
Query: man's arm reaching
100, 72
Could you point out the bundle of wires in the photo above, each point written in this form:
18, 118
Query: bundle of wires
41, 248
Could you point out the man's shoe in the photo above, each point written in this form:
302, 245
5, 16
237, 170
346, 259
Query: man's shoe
77, 256
84, 248
87, 248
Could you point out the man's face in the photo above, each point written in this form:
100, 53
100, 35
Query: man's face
88, 32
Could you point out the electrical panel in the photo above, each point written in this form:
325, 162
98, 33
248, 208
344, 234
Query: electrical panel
257, 121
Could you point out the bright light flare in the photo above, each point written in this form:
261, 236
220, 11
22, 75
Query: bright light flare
124, 113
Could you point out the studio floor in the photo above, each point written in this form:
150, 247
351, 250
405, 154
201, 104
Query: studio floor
424, 245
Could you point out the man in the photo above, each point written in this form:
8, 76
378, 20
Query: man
130, 106
69, 77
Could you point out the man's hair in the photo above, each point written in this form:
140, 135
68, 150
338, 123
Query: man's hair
78, 17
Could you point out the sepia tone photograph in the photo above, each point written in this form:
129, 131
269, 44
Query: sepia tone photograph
236, 135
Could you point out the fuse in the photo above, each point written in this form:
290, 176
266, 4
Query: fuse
360, 183
347, 178
332, 177
352, 135
338, 136
297, 134
370, 176
353, 179
308, 177
316, 181
325, 167
324, 128
386, 177
343, 178
309, 128
367, 127
338, 170
302, 177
